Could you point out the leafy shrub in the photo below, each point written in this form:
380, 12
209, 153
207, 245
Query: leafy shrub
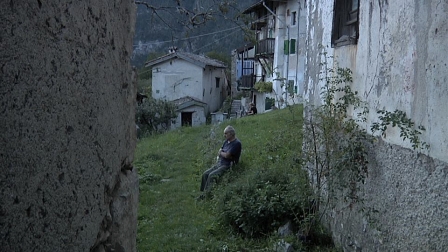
154, 116
263, 86
261, 202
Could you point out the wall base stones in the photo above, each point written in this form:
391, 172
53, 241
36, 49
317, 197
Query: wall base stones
404, 207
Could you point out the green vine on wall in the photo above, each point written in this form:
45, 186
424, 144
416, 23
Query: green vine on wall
335, 148
335, 143
406, 125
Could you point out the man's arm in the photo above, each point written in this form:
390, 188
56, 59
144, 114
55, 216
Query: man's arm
229, 155
225, 154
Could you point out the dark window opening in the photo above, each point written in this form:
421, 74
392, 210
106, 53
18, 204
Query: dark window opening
217, 82
294, 18
345, 23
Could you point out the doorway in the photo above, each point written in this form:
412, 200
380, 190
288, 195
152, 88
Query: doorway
187, 118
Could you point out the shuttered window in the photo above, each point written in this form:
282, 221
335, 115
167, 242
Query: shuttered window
345, 23
292, 46
286, 47
289, 46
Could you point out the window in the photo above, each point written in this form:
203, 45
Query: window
292, 46
286, 47
345, 23
290, 87
289, 46
217, 82
294, 18
269, 103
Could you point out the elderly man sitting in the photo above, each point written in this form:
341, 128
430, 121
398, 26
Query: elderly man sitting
228, 154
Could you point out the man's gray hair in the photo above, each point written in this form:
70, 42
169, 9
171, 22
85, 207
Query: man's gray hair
230, 129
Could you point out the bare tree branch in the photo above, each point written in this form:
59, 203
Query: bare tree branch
195, 17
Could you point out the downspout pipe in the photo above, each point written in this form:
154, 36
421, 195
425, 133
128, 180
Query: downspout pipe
298, 46
287, 56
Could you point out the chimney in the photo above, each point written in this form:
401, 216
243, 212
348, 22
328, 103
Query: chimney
172, 49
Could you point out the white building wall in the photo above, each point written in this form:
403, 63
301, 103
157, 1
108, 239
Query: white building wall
175, 79
213, 95
294, 63
288, 67
178, 78
318, 42
404, 66
397, 64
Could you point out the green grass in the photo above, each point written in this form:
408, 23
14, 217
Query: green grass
170, 168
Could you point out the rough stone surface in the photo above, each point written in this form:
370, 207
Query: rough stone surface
405, 204
283, 246
67, 132
285, 230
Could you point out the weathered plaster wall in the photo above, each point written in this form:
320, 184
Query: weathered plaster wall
318, 41
67, 132
213, 95
287, 67
177, 78
399, 63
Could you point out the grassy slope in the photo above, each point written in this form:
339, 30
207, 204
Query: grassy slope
170, 166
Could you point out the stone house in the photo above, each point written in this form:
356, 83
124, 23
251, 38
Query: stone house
277, 55
398, 55
195, 83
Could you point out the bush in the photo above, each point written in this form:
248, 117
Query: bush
263, 86
263, 202
154, 116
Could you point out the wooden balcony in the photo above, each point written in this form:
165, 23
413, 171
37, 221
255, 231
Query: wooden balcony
265, 47
246, 82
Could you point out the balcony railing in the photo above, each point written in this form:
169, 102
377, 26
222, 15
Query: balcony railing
265, 47
246, 82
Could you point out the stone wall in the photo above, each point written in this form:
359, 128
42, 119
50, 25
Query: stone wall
67, 127
399, 64
403, 204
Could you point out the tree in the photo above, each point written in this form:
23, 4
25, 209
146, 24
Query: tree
154, 116
200, 13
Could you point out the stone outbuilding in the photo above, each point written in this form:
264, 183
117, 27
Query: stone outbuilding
196, 83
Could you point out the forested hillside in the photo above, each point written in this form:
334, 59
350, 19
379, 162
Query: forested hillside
157, 30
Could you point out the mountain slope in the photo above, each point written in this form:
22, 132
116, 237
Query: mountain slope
157, 31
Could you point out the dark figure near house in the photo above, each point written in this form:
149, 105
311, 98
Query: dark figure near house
228, 155
252, 110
